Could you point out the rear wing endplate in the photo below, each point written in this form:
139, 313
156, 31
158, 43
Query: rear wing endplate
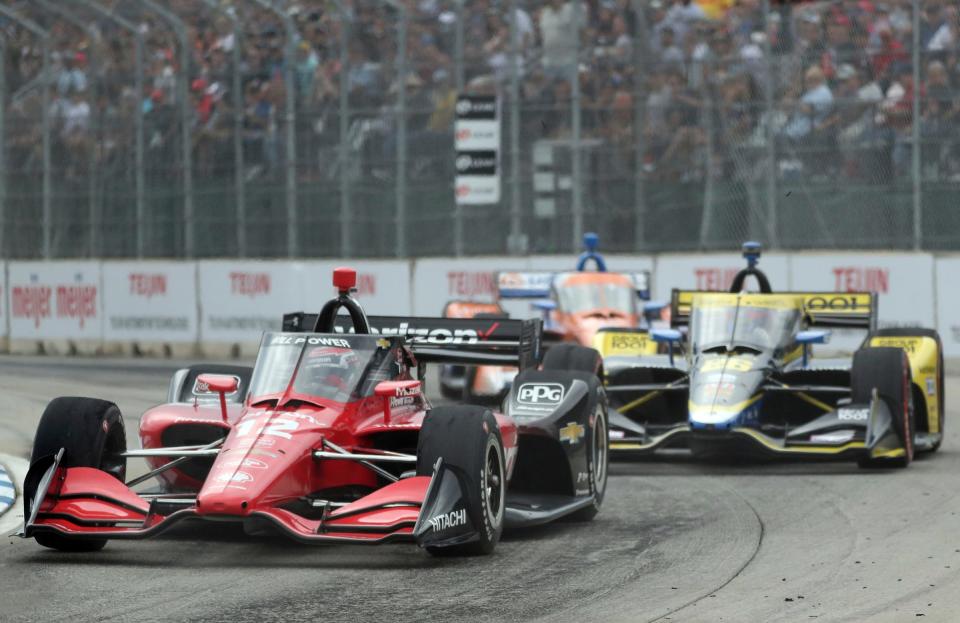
835, 310
467, 341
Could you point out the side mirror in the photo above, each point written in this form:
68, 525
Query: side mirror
669, 337
544, 305
390, 390
666, 336
813, 336
220, 383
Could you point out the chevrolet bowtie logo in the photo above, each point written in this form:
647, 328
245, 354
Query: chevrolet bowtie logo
572, 433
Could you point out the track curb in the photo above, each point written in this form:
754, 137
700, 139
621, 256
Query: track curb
14, 469
8, 491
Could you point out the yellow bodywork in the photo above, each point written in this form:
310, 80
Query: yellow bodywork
624, 343
924, 358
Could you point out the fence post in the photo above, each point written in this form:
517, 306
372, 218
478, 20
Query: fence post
515, 244
915, 133
94, 204
47, 210
293, 243
346, 212
771, 155
577, 174
4, 253
138, 114
237, 97
401, 182
640, 49
458, 73
183, 94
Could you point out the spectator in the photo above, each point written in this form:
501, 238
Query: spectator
813, 107
72, 77
560, 35
941, 114
854, 119
669, 56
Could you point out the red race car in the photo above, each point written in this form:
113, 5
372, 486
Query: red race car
330, 438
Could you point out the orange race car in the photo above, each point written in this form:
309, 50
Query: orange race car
595, 308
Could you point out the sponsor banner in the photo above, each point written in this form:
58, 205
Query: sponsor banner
471, 134
476, 163
948, 304
239, 300
383, 287
903, 281
150, 301
477, 107
713, 271
477, 146
439, 280
55, 300
477, 190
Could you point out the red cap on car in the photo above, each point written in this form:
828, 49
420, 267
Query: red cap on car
344, 279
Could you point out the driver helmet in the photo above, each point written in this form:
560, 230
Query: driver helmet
326, 366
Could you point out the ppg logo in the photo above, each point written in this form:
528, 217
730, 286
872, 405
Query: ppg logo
540, 393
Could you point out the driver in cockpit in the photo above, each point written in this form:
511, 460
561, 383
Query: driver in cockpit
326, 367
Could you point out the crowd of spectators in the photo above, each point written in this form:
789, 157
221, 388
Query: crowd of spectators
831, 83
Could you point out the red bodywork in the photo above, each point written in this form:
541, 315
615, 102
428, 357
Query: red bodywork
265, 464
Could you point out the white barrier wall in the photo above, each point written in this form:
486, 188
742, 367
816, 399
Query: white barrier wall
226, 302
239, 300
383, 286
712, 271
948, 304
55, 301
150, 301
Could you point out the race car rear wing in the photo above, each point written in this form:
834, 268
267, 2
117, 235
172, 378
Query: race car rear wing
468, 341
839, 310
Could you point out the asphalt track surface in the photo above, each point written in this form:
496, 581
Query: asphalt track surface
676, 541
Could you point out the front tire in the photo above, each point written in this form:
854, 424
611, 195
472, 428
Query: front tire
91, 433
888, 371
935, 336
468, 440
597, 460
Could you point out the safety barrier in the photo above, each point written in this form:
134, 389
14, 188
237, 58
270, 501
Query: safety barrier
220, 307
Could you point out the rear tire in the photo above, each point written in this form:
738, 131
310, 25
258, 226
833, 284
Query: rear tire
573, 357
91, 433
468, 440
934, 335
887, 370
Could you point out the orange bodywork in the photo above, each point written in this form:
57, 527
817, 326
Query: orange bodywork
581, 326
469, 309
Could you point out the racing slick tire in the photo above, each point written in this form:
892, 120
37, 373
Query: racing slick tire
887, 370
935, 336
91, 433
573, 357
468, 440
598, 459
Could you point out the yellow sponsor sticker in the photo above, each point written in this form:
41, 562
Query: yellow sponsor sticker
572, 433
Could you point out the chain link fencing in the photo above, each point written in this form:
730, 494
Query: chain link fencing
316, 128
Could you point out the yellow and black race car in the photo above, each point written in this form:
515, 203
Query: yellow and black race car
739, 379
